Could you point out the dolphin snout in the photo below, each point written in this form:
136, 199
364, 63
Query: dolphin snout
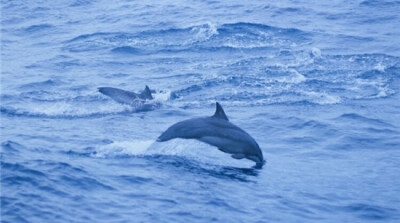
101, 89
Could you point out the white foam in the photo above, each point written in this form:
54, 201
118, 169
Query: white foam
71, 108
380, 67
315, 52
323, 98
123, 148
206, 31
196, 150
294, 78
161, 96
384, 91
203, 32
191, 149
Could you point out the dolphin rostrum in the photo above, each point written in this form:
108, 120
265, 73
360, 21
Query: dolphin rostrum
218, 131
126, 97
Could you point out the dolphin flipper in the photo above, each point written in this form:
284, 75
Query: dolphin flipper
222, 150
238, 156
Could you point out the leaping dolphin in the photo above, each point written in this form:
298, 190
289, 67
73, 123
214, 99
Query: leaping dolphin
216, 130
126, 97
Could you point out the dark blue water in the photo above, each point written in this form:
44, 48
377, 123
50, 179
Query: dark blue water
316, 83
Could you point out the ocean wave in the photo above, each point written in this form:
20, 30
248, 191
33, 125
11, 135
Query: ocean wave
134, 179
317, 86
362, 119
37, 28
128, 50
190, 149
205, 37
312, 124
42, 84
46, 104
22, 176
11, 147
377, 3
314, 79
84, 183
70, 109
81, 3
22, 169
122, 149
61, 167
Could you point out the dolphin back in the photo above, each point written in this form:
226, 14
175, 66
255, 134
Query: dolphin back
119, 95
188, 129
178, 130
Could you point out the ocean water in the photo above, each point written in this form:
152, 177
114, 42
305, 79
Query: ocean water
316, 83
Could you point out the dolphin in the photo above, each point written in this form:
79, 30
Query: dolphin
217, 131
126, 97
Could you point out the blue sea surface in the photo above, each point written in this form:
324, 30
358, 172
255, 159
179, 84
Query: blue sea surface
316, 83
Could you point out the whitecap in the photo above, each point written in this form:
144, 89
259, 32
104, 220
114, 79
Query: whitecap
122, 148
315, 52
294, 78
380, 67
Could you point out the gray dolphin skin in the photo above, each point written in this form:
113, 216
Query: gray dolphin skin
218, 131
126, 97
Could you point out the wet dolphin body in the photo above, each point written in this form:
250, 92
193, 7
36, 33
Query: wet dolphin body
126, 97
216, 130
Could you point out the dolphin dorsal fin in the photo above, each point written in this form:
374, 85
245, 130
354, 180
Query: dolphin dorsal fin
147, 93
219, 112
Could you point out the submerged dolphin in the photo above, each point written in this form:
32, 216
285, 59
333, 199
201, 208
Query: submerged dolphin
126, 97
216, 130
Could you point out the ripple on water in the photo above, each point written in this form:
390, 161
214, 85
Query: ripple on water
370, 211
320, 96
363, 120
